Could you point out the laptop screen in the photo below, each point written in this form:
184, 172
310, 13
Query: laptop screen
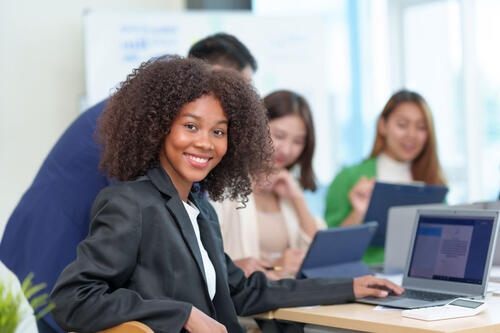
451, 248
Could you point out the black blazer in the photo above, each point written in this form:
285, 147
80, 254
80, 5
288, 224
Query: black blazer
141, 261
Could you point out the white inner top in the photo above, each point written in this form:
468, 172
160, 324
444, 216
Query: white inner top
207, 263
391, 171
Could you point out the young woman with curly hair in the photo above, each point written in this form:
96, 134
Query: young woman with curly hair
154, 252
60, 197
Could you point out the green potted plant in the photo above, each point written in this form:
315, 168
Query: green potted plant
11, 302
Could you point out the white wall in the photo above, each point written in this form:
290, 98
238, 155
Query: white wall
41, 82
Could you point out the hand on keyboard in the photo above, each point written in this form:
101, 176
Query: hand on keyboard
371, 286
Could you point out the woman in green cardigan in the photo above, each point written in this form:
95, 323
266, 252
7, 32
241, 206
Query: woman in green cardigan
404, 151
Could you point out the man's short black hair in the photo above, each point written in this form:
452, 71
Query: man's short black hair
225, 50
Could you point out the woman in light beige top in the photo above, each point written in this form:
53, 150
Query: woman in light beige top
275, 228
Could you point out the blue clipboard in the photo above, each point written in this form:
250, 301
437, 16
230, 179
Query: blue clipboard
386, 195
337, 252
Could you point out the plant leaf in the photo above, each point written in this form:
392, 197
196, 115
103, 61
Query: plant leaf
33, 290
27, 282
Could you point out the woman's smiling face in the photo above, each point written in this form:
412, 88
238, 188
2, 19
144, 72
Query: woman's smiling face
405, 132
289, 136
196, 142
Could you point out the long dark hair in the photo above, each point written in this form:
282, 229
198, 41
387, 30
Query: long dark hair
282, 103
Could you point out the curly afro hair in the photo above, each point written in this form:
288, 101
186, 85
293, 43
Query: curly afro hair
138, 117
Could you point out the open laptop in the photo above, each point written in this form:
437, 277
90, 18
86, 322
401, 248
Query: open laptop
450, 256
338, 252
386, 195
400, 223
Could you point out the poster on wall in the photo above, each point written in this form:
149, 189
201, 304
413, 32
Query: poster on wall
290, 52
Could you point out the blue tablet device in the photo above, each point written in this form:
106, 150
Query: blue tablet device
386, 195
338, 252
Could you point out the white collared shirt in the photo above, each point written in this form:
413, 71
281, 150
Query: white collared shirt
207, 263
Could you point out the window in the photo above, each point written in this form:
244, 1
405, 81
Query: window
487, 28
447, 50
432, 66
450, 54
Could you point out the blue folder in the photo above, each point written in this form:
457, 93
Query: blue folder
385, 196
336, 253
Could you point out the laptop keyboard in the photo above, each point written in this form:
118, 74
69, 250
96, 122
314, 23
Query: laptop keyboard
427, 296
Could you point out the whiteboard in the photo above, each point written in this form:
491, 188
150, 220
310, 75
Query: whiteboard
290, 52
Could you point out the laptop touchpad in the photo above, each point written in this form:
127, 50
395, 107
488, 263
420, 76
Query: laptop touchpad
407, 302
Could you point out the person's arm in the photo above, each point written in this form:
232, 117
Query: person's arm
349, 196
299, 217
250, 265
354, 218
199, 322
89, 294
359, 198
286, 187
227, 215
338, 206
307, 220
257, 294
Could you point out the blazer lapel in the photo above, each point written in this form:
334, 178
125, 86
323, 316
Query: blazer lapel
211, 240
176, 208
209, 234
213, 245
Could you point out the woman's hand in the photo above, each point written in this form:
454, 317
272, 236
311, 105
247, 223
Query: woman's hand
283, 185
360, 195
371, 286
199, 322
290, 262
250, 265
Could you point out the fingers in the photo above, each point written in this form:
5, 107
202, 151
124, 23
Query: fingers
292, 259
250, 265
360, 195
200, 322
262, 263
384, 284
364, 185
266, 268
372, 286
372, 292
295, 252
289, 263
370, 186
390, 285
271, 275
285, 186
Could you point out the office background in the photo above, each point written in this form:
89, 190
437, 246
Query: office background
447, 50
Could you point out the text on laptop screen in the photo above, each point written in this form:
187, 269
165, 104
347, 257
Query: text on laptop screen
451, 248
